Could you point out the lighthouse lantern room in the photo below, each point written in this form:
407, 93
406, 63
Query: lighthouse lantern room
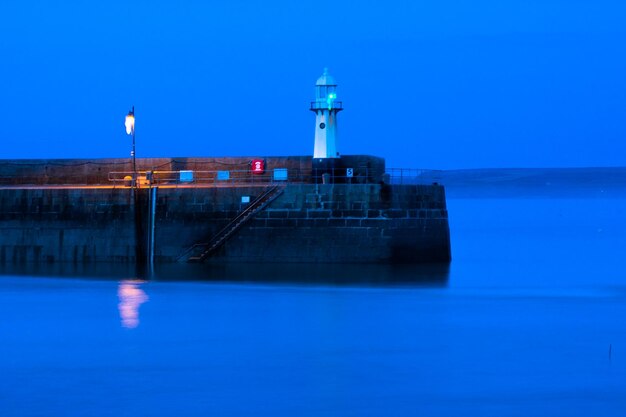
326, 106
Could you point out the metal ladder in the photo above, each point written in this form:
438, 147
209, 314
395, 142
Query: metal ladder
201, 251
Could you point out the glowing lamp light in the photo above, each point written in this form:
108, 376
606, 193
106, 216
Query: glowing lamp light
330, 99
130, 122
130, 130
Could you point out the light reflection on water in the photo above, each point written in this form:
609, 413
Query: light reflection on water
131, 297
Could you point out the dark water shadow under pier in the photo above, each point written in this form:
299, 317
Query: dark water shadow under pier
426, 275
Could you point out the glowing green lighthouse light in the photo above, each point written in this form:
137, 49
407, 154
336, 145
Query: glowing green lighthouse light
331, 97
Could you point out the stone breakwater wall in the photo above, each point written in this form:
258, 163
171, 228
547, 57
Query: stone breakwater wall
97, 171
306, 223
347, 223
67, 225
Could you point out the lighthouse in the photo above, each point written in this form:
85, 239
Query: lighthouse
325, 108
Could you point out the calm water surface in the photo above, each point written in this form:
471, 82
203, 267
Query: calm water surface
530, 319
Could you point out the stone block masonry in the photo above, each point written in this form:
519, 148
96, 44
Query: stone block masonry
310, 223
67, 225
360, 223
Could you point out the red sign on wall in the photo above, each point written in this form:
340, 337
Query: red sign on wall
258, 166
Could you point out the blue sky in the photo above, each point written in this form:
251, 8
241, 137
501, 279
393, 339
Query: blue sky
428, 84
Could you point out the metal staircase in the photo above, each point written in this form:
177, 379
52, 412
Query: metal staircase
201, 251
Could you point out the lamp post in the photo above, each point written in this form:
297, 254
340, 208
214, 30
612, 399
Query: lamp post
130, 130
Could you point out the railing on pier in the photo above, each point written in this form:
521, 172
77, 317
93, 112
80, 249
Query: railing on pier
400, 176
241, 177
412, 176
188, 177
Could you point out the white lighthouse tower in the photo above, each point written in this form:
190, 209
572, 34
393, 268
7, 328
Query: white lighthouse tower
326, 108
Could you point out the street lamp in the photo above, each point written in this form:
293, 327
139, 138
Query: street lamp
130, 130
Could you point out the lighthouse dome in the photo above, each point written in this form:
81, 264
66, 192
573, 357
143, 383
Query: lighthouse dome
326, 79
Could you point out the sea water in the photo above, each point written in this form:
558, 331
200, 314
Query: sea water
529, 319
